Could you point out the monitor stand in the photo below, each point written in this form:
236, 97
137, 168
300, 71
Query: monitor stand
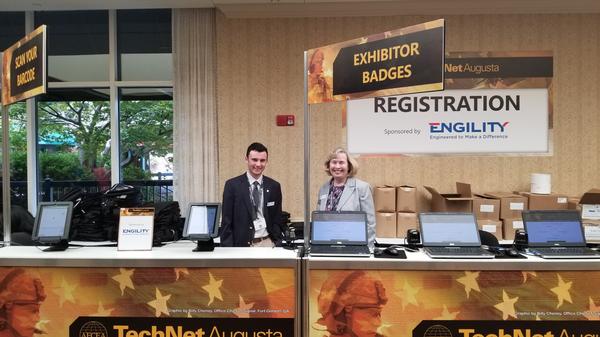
205, 246
60, 246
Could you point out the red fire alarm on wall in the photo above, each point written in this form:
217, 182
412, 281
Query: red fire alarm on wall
285, 120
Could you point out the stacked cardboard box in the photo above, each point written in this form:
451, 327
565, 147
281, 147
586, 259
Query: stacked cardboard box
511, 206
546, 201
395, 209
406, 209
385, 211
462, 201
590, 214
487, 213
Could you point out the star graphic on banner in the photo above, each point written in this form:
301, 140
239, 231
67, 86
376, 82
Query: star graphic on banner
507, 306
65, 292
537, 318
41, 324
447, 315
593, 313
526, 275
213, 288
469, 281
160, 304
102, 311
124, 279
242, 311
189, 314
562, 291
408, 294
180, 271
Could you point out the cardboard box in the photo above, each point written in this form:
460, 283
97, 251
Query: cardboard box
385, 199
591, 229
509, 226
386, 225
406, 198
404, 222
486, 208
573, 203
511, 205
546, 201
491, 226
590, 204
462, 201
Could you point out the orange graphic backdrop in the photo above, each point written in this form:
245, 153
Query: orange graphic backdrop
64, 294
408, 297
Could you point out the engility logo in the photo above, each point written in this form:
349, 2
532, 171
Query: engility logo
460, 127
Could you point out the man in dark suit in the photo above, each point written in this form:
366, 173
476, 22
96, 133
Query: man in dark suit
252, 205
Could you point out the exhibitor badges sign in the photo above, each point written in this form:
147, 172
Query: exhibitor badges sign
24, 68
506, 329
407, 60
181, 327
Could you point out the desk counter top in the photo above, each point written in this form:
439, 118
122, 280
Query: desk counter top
177, 254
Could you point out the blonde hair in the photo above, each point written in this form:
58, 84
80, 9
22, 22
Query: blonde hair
352, 164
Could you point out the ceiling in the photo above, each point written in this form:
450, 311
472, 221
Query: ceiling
323, 8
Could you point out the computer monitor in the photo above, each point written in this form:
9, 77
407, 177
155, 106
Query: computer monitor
52, 224
202, 224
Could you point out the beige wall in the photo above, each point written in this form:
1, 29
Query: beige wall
260, 65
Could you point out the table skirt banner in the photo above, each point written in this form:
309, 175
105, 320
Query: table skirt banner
393, 303
49, 300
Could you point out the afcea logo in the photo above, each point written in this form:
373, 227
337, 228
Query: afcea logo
463, 127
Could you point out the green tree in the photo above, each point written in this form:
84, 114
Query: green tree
147, 125
86, 122
146, 129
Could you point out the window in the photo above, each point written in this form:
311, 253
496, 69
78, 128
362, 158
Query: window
18, 154
144, 45
77, 45
73, 141
147, 140
12, 28
73, 132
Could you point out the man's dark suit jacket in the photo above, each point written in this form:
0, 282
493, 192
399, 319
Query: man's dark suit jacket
237, 227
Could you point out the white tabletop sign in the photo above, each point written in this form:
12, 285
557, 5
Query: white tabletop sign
136, 227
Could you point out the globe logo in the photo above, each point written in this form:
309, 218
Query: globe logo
437, 331
93, 329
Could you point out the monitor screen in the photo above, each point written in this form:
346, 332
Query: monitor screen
339, 227
52, 222
551, 228
202, 221
449, 229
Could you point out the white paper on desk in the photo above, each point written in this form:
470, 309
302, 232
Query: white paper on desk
136, 227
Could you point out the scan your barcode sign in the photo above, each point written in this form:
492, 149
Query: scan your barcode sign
24, 68
452, 121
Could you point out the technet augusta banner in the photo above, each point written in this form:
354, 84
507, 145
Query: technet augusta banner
453, 121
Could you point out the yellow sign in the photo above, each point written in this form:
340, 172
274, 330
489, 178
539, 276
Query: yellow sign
24, 68
402, 61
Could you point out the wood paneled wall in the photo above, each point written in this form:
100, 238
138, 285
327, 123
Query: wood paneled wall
260, 75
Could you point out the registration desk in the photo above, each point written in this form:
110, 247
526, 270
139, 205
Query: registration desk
168, 282
241, 288
419, 288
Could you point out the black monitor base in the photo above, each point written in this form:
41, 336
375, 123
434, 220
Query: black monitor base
60, 246
205, 246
